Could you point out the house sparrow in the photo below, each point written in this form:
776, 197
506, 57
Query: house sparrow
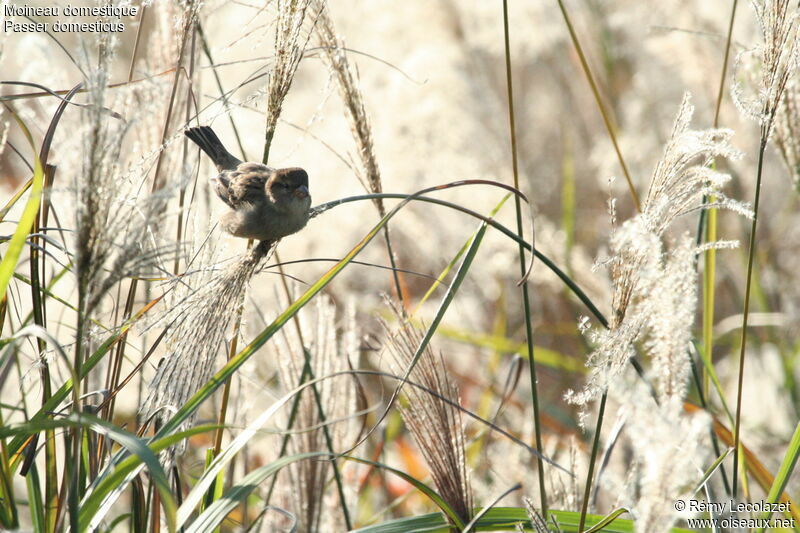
265, 203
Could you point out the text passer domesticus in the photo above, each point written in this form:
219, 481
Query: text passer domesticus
265, 203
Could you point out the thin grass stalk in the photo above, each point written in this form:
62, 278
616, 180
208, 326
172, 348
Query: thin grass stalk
72, 480
721, 90
185, 151
142, 11
221, 417
187, 30
353, 100
704, 404
778, 24
226, 389
750, 255
51, 459
710, 256
222, 92
563, 276
711, 215
3, 310
711, 232
595, 450
328, 440
155, 508
8, 506
709, 280
709, 288
600, 105
304, 376
523, 269
107, 412
116, 366
156, 185
308, 373
395, 271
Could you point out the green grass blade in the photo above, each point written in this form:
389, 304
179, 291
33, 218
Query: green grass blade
14, 199
8, 508
417, 484
451, 265
226, 455
212, 517
713, 468
607, 520
17, 243
35, 503
504, 519
130, 442
61, 394
784, 472
120, 471
237, 361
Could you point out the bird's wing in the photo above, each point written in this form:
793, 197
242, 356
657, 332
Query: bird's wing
221, 187
246, 184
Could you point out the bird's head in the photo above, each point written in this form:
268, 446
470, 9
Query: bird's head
288, 187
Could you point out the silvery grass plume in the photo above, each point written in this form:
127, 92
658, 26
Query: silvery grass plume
436, 426
369, 174
289, 47
335, 54
668, 449
115, 235
670, 305
769, 66
324, 348
639, 257
196, 324
787, 131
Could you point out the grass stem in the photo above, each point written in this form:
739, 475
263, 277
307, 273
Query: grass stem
523, 269
751, 249
610, 128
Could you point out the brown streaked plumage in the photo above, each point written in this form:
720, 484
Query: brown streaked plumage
266, 204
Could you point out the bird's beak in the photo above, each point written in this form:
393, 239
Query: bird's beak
301, 192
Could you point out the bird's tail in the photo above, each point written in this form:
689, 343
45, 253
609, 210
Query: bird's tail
207, 140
